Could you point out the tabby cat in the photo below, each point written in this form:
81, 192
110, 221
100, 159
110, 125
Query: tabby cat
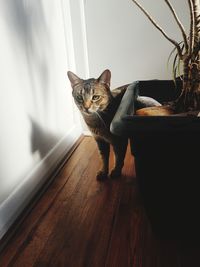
98, 104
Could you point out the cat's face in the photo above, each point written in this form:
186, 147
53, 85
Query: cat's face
91, 95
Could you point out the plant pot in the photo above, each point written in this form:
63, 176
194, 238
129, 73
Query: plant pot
166, 150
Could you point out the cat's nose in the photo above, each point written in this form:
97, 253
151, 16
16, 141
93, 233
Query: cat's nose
87, 105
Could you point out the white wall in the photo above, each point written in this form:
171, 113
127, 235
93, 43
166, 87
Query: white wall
122, 39
37, 116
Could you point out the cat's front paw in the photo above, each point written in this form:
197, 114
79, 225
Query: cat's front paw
115, 173
102, 176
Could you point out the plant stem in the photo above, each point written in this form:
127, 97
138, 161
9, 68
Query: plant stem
179, 24
191, 46
160, 29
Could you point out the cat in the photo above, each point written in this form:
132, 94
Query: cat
98, 105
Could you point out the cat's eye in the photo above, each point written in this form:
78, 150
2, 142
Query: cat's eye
95, 97
79, 97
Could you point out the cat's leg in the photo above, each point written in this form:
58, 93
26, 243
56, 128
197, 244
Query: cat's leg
119, 148
104, 150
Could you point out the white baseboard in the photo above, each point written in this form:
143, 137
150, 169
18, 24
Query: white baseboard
87, 133
17, 201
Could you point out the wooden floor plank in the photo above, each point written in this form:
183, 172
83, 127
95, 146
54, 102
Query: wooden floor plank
128, 244
26, 234
80, 222
85, 241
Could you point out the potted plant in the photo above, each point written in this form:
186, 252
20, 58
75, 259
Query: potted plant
166, 147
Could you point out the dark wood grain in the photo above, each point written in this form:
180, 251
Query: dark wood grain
80, 222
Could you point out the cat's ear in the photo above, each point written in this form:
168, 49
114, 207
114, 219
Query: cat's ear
74, 79
105, 77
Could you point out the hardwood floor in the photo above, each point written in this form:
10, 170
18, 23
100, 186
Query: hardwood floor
80, 222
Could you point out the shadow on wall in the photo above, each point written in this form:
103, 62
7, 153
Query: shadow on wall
41, 139
29, 25
29, 28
